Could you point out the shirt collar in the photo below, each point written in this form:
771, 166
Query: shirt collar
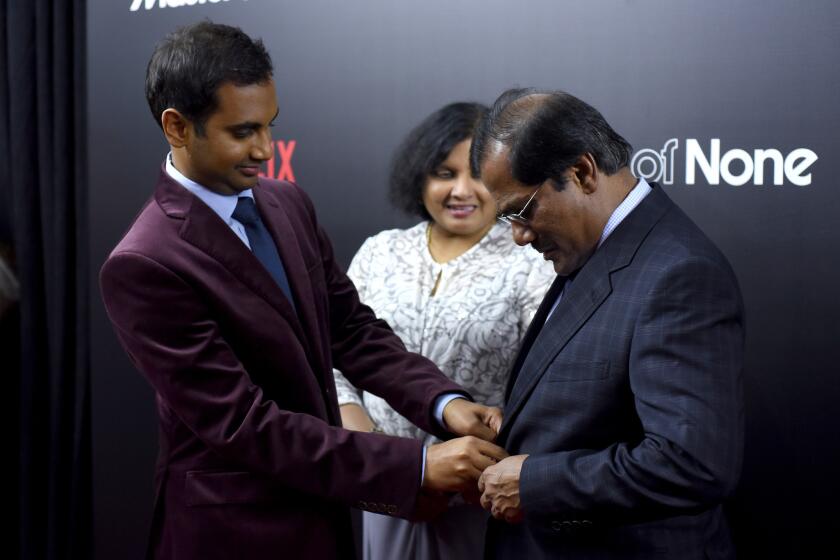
221, 204
639, 192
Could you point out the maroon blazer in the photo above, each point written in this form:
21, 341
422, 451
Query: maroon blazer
253, 463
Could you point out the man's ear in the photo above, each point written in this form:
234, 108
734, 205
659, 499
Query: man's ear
585, 173
176, 127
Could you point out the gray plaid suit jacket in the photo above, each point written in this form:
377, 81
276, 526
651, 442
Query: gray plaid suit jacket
629, 401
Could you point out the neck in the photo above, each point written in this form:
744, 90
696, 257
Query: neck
445, 246
611, 192
624, 182
180, 160
616, 187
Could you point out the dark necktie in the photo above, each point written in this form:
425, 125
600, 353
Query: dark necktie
262, 244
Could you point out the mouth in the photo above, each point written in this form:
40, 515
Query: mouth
461, 210
249, 170
546, 251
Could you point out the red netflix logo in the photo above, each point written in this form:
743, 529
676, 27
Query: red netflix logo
280, 165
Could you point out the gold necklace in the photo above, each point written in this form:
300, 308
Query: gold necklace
429, 246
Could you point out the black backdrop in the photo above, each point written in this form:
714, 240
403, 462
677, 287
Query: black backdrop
353, 77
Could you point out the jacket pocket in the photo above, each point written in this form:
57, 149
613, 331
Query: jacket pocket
203, 488
577, 371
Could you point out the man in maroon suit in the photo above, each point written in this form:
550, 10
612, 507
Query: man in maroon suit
226, 295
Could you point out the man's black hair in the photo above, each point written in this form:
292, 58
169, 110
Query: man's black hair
546, 132
189, 65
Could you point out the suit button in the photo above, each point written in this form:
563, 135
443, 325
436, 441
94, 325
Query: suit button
363, 505
392, 510
586, 523
556, 525
381, 508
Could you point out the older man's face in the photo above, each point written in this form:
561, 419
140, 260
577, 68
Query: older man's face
562, 225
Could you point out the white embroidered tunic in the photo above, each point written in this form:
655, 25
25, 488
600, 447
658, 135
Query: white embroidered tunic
471, 327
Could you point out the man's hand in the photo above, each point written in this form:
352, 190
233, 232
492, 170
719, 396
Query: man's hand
499, 485
466, 418
455, 465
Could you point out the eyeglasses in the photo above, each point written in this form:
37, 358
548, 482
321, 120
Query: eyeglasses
519, 217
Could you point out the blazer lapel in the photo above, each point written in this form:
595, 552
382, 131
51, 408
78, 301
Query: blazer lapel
205, 230
585, 294
285, 237
533, 330
589, 289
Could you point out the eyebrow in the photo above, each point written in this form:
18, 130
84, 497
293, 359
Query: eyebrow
251, 125
505, 208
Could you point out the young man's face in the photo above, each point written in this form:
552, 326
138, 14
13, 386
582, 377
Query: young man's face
237, 139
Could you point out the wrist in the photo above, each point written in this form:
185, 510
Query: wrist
442, 406
354, 417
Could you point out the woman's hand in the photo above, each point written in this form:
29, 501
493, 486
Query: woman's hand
354, 417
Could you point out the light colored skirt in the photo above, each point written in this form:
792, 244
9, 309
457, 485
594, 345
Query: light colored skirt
457, 534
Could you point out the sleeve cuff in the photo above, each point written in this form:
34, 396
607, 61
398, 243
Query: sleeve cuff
440, 404
423, 468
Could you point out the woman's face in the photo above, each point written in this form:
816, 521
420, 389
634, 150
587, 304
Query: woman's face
458, 203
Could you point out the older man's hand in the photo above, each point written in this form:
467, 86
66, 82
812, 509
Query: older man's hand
466, 418
499, 487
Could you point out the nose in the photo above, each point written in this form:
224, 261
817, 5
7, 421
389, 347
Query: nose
464, 186
262, 148
522, 234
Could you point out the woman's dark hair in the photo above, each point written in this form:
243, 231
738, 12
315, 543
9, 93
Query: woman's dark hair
425, 148
189, 65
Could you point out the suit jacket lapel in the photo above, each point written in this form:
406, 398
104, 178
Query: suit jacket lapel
533, 330
586, 293
582, 298
205, 230
288, 247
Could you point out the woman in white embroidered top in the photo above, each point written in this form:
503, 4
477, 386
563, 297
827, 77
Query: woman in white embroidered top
456, 289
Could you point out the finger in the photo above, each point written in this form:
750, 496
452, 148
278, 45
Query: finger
491, 450
483, 431
486, 502
461, 477
481, 483
496, 419
471, 477
483, 462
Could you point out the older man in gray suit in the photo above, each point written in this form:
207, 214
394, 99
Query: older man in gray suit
624, 415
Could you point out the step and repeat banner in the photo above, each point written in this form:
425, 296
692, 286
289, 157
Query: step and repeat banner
732, 106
